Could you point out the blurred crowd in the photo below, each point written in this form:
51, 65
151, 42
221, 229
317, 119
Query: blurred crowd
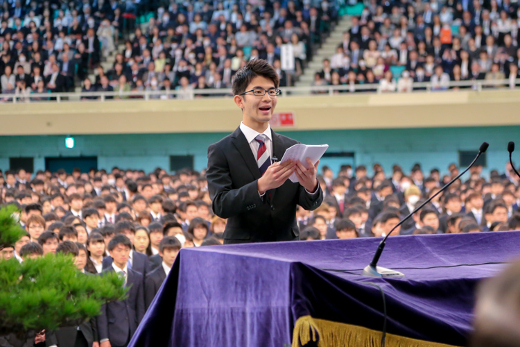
54, 45
397, 43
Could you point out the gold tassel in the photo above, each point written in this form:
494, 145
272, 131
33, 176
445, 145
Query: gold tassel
333, 334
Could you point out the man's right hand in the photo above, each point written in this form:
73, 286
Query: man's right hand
105, 344
275, 176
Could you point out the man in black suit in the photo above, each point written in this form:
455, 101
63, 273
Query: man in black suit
246, 187
168, 250
137, 261
55, 81
118, 320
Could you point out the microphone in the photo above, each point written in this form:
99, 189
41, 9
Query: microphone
511, 149
372, 270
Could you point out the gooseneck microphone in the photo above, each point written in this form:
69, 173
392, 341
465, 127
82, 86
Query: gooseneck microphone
372, 270
511, 149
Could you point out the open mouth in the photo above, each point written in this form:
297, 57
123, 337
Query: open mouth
265, 109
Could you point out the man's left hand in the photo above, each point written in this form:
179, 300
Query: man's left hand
307, 177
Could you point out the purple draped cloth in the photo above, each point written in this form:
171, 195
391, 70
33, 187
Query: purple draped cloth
252, 294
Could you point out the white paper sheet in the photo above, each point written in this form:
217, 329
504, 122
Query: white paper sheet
301, 152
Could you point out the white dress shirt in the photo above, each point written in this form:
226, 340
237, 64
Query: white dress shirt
166, 268
251, 134
99, 267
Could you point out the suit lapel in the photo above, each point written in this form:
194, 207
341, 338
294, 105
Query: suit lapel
162, 274
241, 144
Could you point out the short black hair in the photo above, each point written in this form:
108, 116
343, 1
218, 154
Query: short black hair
90, 211
155, 227
124, 225
122, 205
68, 247
124, 216
196, 222
472, 226
427, 211
155, 198
35, 206
55, 225
107, 230
46, 236
254, 68
344, 224
211, 241
385, 216
31, 248
514, 222
311, 232
170, 242
67, 231
119, 239
95, 237
172, 224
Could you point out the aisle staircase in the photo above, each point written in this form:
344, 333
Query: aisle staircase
327, 50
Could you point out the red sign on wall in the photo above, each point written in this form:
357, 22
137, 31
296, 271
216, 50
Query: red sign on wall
282, 119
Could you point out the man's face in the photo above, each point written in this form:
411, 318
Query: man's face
431, 220
111, 207
92, 221
191, 212
387, 227
454, 205
155, 238
76, 204
72, 238
120, 254
35, 230
20, 243
50, 246
147, 192
156, 207
81, 260
321, 226
499, 215
130, 234
139, 205
357, 219
174, 231
257, 109
477, 203
346, 234
169, 255
7, 253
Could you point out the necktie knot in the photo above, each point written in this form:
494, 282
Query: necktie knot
263, 157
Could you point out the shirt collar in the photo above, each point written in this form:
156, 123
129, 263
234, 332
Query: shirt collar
166, 268
118, 270
251, 134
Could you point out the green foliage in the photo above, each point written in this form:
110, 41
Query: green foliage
10, 230
48, 292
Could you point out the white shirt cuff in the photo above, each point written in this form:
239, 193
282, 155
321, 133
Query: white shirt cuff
103, 340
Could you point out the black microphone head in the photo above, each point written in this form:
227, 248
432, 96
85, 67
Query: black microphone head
511, 147
483, 147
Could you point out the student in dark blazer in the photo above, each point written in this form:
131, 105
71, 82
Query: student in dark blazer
245, 186
168, 249
118, 320
138, 261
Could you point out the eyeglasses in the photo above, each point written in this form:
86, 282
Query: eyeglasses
261, 92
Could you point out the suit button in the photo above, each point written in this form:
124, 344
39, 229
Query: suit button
272, 207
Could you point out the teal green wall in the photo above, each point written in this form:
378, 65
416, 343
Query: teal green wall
432, 147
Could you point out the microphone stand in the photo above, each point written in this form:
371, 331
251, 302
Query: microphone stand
372, 270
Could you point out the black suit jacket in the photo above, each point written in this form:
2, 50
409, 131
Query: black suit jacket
118, 320
232, 181
152, 283
139, 263
155, 262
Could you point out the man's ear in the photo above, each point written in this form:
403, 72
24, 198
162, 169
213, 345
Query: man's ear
239, 101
